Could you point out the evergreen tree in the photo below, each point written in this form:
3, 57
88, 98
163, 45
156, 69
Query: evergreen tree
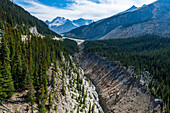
78, 109
78, 82
53, 79
3, 93
50, 101
18, 75
93, 107
6, 68
89, 108
12, 49
26, 75
36, 79
41, 102
31, 94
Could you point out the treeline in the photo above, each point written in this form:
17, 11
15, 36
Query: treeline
145, 53
18, 18
23, 65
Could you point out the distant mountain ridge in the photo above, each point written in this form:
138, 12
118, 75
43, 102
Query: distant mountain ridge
148, 19
62, 25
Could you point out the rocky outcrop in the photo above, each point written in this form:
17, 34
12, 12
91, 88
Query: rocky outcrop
34, 31
118, 90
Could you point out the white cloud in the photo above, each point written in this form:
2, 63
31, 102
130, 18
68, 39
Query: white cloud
82, 8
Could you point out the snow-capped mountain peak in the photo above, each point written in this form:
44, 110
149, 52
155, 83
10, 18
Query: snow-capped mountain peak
62, 25
57, 21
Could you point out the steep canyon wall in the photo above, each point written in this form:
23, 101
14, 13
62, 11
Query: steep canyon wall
118, 90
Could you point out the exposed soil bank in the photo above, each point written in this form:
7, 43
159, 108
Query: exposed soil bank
118, 90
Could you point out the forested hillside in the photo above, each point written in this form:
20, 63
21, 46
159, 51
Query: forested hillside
18, 18
38, 75
147, 53
24, 63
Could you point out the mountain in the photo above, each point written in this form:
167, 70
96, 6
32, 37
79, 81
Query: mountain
81, 22
63, 25
128, 10
150, 19
18, 18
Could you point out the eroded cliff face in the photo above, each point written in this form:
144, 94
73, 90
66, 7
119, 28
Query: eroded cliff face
118, 90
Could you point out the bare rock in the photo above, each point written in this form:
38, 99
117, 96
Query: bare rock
118, 90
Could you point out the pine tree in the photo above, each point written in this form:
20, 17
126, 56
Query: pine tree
18, 74
78, 109
12, 49
89, 108
78, 82
53, 79
6, 68
50, 101
5, 51
44, 81
8, 82
3, 93
31, 94
26, 75
36, 79
41, 101
63, 89
29, 55
93, 107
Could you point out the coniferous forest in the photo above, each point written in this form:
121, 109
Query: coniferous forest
147, 53
24, 63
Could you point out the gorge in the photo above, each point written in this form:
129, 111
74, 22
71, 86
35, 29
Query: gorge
118, 90
119, 64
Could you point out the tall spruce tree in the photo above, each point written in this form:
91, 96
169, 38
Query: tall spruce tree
18, 74
3, 93
6, 68
41, 101
31, 94
53, 79
26, 75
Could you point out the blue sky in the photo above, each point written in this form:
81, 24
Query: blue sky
74, 9
54, 3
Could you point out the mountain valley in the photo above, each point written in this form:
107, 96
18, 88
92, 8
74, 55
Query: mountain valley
119, 64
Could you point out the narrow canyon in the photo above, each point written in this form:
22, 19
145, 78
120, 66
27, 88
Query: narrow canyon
119, 91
